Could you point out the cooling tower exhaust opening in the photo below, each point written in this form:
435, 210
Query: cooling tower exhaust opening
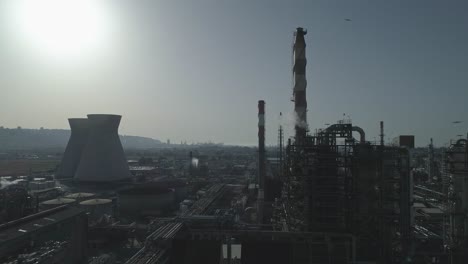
103, 158
79, 135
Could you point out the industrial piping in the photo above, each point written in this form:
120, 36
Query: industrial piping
261, 160
362, 134
300, 84
71, 157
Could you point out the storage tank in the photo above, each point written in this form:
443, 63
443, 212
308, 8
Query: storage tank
145, 200
42, 185
180, 188
97, 208
103, 158
185, 205
33, 186
38, 185
81, 196
50, 184
49, 204
72, 155
23, 183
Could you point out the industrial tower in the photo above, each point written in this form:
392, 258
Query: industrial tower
71, 158
300, 84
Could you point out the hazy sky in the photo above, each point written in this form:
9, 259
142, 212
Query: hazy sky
194, 70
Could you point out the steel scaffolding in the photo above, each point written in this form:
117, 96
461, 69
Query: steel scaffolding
333, 183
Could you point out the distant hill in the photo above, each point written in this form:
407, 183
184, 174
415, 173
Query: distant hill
22, 138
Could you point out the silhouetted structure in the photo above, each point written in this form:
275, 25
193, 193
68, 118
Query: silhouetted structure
78, 138
261, 161
456, 219
300, 84
103, 158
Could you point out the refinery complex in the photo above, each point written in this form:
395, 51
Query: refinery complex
322, 196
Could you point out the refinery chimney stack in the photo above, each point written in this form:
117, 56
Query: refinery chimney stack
300, 84
72, 155
103, 158
261, 160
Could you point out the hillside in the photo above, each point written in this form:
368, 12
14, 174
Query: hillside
22, 138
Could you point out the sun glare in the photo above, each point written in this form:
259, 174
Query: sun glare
62, 29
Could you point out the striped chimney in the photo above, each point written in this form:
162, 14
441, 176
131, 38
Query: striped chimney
300, 84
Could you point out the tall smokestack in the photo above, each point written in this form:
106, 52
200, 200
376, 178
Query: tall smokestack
300, 84
71, 157
190, 164
430, 165
382, 133
103, 158
261, 160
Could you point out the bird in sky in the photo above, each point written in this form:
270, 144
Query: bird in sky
456, 122
347, 19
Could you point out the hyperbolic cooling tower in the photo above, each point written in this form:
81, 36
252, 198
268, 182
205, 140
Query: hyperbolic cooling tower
71, 158
103, 158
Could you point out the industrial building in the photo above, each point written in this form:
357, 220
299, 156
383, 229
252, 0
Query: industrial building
145, 200
456, 200
34, 238
327, 195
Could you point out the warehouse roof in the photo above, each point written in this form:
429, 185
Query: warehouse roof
34, 223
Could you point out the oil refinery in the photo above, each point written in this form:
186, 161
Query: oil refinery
324, 195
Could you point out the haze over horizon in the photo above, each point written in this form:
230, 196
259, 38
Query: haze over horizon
194, 70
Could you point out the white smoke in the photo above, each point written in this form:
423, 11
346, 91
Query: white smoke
5, 183
300, 123
195, 162
289, 122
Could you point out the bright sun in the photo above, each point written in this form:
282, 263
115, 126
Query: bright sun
62, 29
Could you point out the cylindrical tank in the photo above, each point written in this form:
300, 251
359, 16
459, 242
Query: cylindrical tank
72, 155
81, 196
145, 200
180, 188
97, 208
50, 184
38, 185
103, 158
23, 183
33, 186
180, 192
49, 204
42, 185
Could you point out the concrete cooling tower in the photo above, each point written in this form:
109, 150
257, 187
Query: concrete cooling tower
103, 158
78, 138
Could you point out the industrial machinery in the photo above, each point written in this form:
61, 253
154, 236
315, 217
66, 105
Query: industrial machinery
335, 184
456, 219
